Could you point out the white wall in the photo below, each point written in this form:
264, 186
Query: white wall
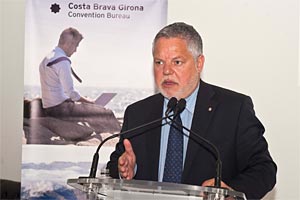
12, 14
250, 46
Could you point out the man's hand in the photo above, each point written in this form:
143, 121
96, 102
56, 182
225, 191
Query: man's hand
86, 100
211, 182
127, 161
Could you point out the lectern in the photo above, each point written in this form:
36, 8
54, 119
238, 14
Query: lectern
106, 188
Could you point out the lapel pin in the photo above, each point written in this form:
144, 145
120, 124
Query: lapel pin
209, 109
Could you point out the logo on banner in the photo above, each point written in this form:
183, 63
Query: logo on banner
96, 10
55, 8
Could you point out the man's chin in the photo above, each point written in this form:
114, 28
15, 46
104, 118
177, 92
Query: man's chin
168, 95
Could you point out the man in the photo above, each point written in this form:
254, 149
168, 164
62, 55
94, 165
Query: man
56, 80
223, 117
61, 100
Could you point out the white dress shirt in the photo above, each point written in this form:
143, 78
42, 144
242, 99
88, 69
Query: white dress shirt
56, 80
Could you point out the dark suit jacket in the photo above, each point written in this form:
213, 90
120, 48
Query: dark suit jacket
230, 124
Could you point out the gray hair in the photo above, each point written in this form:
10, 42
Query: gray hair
74, 33
185, 32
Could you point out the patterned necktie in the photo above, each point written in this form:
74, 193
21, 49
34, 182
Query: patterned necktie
174, 157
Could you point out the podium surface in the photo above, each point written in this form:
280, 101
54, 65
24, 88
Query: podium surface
105, 188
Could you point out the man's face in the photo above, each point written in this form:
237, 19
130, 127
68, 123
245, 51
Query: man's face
176, 72
71, 47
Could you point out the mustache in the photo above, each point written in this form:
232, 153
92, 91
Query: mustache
167, 80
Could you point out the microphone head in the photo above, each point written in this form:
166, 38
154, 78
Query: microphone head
180, 107
171, 105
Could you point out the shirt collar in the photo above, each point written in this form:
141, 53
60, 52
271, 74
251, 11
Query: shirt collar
191, 100
60, 50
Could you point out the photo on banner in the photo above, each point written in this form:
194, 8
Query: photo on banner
113, 61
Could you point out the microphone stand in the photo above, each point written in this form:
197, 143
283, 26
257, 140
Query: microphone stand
171, 105
94, 165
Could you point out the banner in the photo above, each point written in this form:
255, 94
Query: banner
114, 61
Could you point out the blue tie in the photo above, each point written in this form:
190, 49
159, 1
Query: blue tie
174, 157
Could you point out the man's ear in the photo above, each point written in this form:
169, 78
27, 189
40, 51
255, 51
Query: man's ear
200, 63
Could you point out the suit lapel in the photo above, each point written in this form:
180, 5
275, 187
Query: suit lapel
203, 113
153, 139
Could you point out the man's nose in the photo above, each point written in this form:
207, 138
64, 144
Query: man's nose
167, 70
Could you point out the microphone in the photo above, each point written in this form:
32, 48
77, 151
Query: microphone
178, 109
170, 107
